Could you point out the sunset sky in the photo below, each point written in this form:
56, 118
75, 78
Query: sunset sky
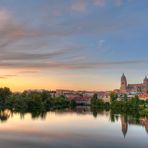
72, 44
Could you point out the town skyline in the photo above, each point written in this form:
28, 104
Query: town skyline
117, 87
124, 88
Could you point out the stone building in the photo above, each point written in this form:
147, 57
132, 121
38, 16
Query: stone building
125, 87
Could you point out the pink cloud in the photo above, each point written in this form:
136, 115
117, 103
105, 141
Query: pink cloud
116, 3
99, 3
4, 18
57, 12
79, 6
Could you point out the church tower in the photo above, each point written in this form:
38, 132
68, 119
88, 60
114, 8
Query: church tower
123, 87
145, 85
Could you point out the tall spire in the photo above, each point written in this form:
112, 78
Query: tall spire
145, 79
123, 77
123, 86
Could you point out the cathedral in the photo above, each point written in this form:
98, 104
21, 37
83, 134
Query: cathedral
141, 88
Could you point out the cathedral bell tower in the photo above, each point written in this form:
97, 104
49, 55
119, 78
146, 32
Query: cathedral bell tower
123, 87
145, 84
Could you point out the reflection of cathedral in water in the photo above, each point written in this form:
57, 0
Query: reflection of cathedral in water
144, 122
132, 121
124, 125
146, 128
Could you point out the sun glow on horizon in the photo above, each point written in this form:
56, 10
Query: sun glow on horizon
63, 45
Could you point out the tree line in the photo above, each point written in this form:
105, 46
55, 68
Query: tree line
29, 101
132, 106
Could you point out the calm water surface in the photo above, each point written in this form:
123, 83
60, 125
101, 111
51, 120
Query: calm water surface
78, 128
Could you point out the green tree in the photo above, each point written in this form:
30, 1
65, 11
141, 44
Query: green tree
94, 99
4, 94
135, 101
113, 96
73, 104
125, 97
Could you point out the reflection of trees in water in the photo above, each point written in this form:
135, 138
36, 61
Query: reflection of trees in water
112, 117
82, 109
22, 115
125, 118
94, 112
100, 111
4, 115
36, 115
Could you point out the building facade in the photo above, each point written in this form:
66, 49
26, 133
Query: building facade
141, 88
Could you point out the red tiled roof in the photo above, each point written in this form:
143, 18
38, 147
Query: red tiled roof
143, 95
80, 98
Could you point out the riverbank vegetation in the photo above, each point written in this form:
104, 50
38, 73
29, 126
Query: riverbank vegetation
29, 101
132, 106
42, 101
